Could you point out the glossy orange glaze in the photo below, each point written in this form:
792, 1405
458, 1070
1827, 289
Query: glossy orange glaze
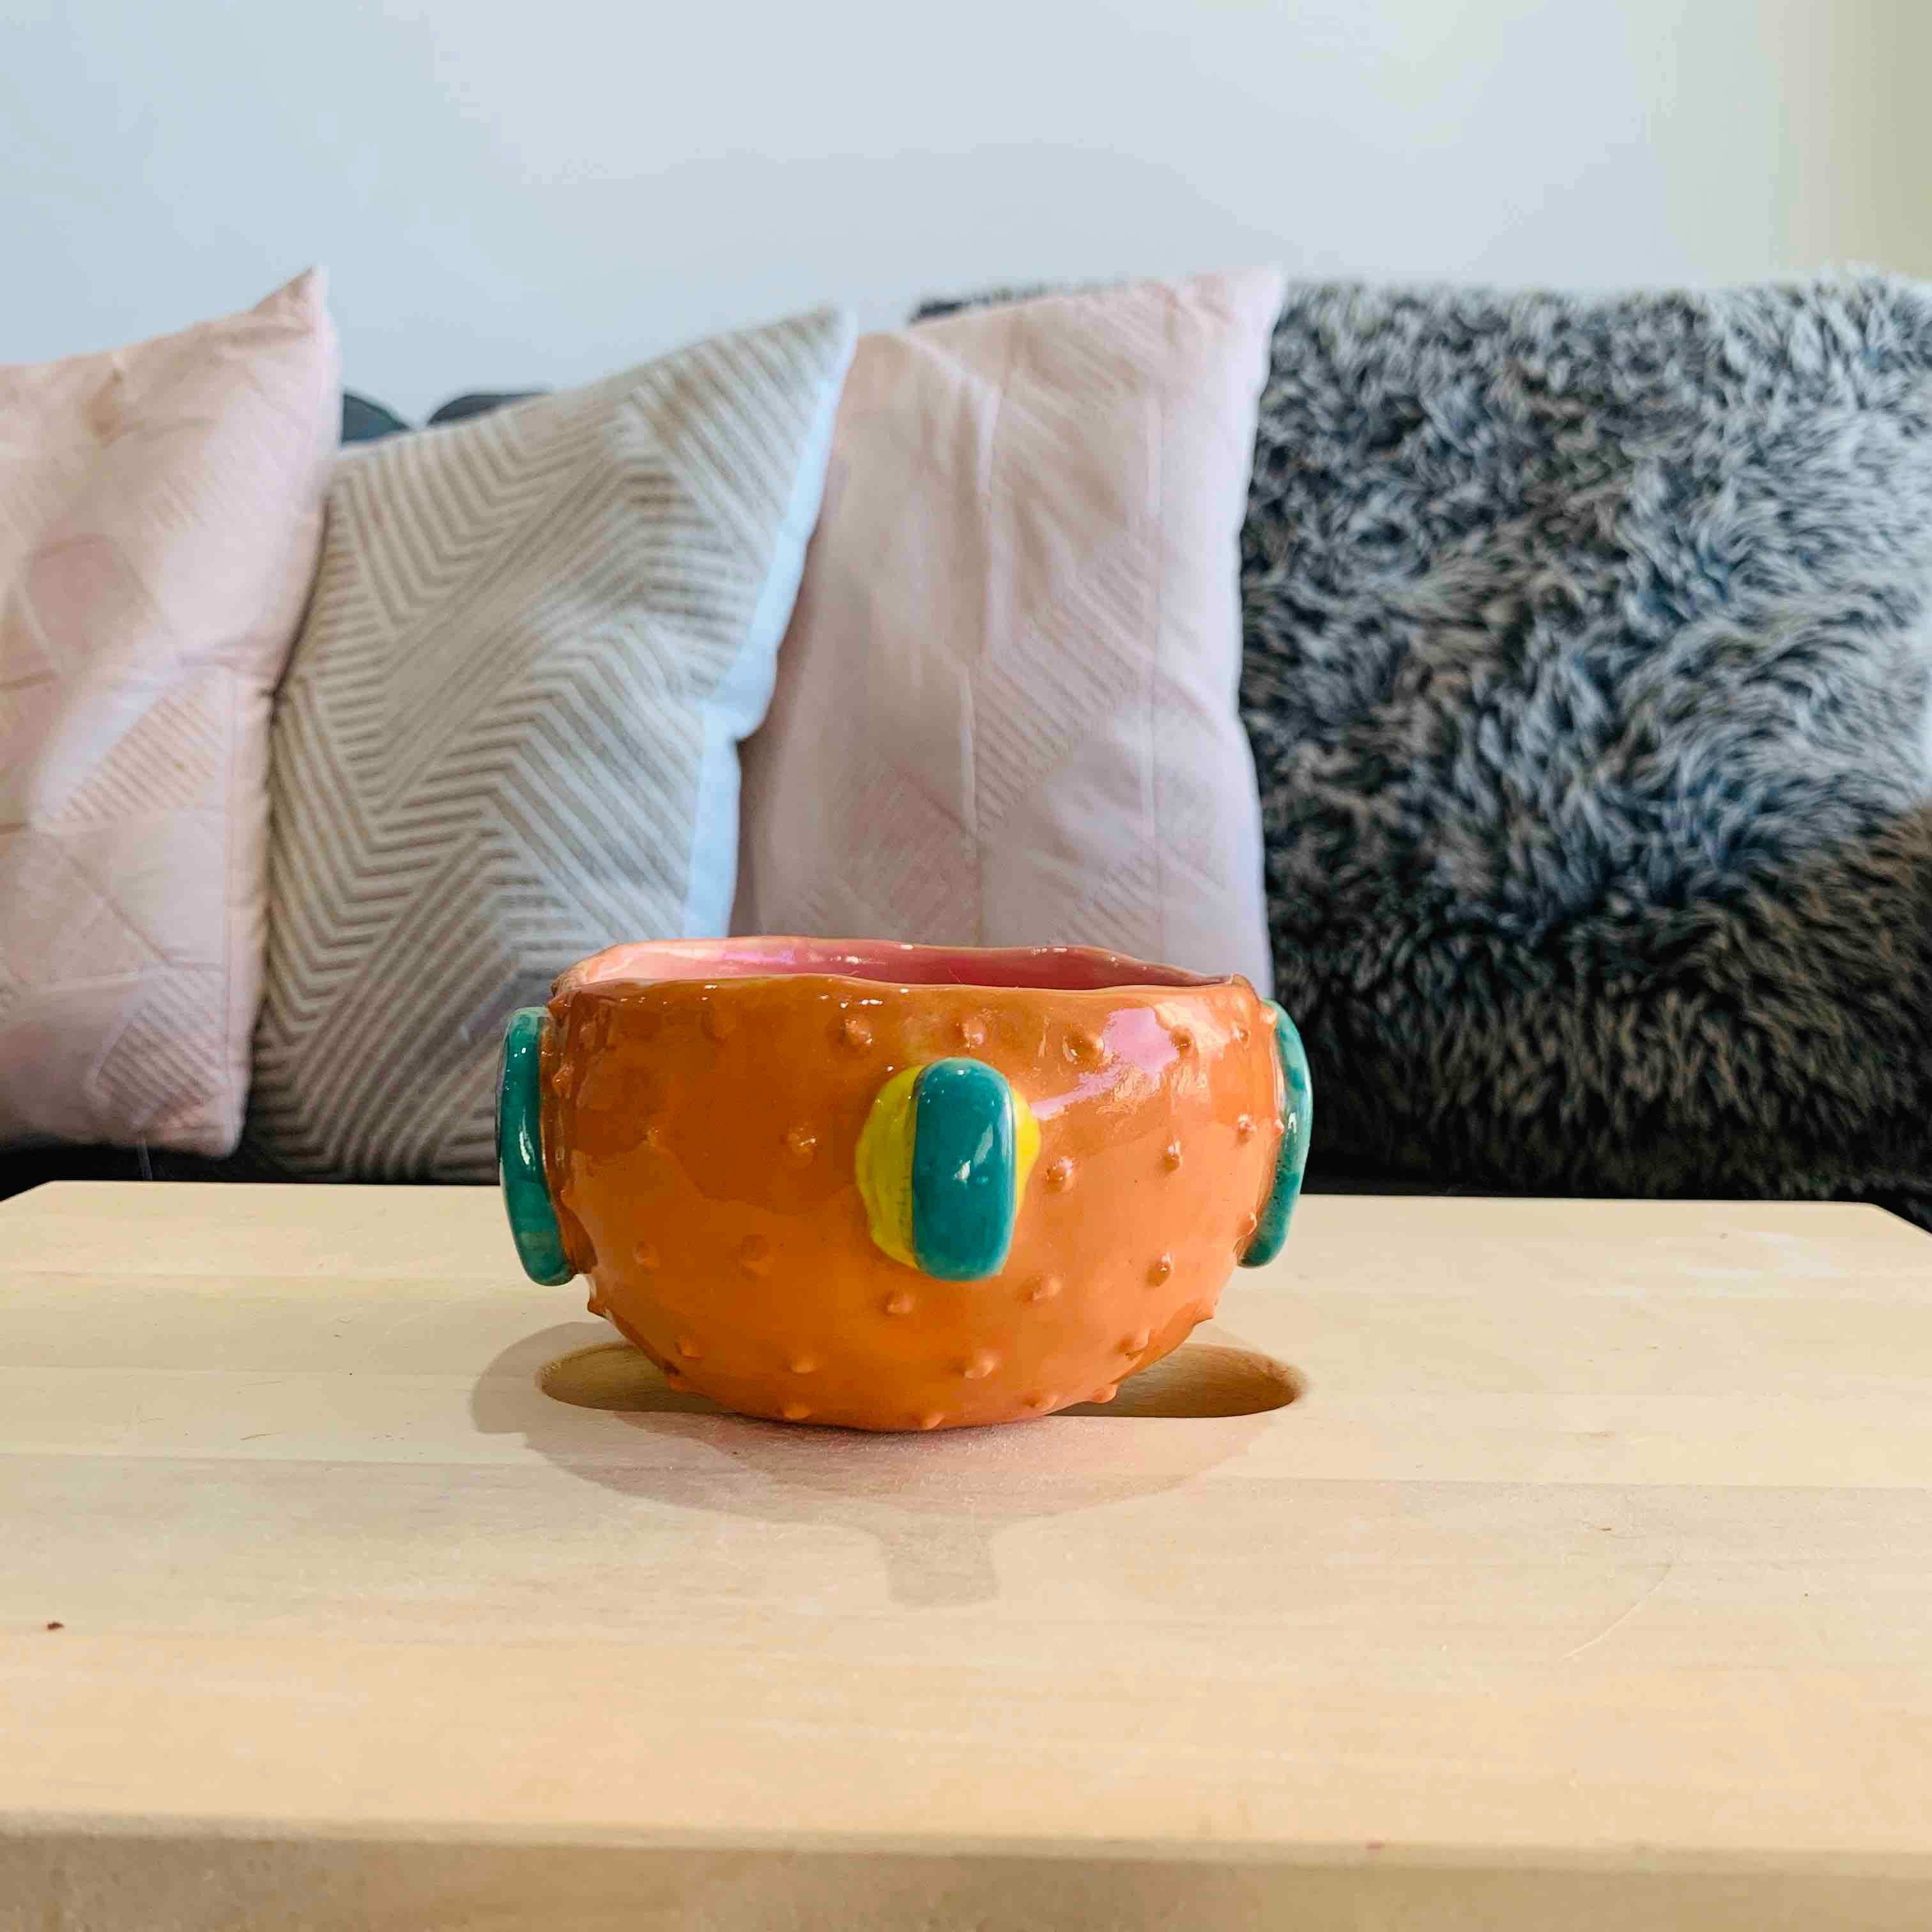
699, 1139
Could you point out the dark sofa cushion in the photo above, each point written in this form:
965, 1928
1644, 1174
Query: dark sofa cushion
23, 1167
479, 402
365, 421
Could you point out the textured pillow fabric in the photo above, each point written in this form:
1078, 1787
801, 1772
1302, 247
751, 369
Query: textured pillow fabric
1587, 672
1006, 707
160, 512
508, 735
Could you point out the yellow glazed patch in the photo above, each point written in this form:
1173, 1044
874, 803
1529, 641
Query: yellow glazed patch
883, 1164
1026, 1144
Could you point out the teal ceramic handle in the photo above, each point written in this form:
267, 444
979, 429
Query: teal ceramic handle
520, 1161
967, 1171
1297, 1123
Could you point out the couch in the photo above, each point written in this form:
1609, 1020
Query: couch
1587, 677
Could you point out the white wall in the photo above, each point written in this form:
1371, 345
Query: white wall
536, 193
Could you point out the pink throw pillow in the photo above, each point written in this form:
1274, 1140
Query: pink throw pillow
1006, 706
160, 515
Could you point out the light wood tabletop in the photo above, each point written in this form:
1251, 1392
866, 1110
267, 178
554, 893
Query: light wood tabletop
1585, 1581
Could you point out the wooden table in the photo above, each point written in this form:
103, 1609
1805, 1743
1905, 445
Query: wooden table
1588, 1582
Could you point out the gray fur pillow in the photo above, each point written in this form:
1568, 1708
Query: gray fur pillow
1587, 673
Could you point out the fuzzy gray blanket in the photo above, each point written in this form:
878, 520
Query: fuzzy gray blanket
1587, 673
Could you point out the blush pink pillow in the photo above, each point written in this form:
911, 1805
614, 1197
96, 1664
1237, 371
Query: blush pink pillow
160, 515
1006, 706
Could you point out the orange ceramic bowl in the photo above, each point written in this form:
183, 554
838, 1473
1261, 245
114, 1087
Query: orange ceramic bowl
899, 1187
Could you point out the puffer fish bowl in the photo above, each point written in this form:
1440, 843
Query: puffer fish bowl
884, 1186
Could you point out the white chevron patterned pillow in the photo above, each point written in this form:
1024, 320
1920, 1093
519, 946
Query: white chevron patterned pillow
508, 735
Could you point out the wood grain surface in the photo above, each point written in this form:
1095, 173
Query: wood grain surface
1488, 1563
